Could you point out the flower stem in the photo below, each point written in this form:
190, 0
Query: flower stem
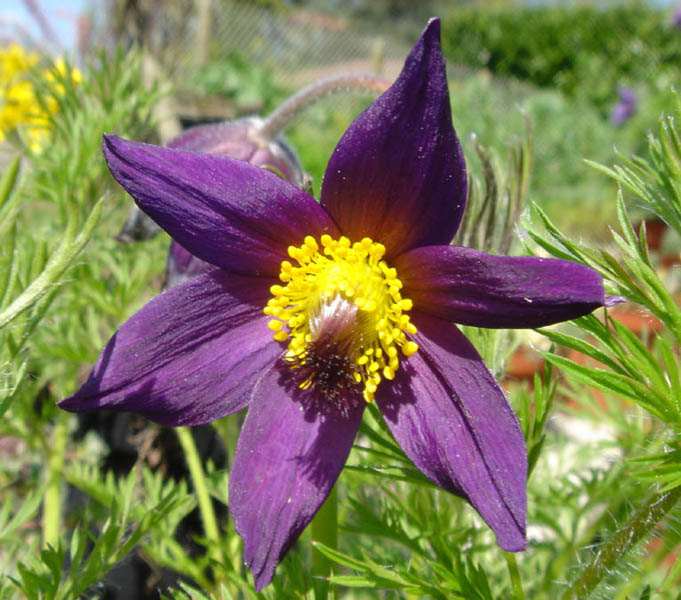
638, 526
325, 530
52, 498
516, 584
281, 118
210, 524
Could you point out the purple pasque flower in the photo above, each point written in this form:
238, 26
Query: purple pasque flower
311, 310
626, 106
675, 19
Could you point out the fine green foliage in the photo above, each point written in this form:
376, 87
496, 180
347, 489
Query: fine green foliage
51, 205
132, 514
644, 371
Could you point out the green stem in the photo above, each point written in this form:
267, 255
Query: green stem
210, 524
52, 498
67, 251
325, 530
516, 584
640, 524
282, 117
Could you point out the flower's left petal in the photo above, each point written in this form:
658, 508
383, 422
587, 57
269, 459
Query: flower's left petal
287, 459
452, 420
398, 175
473, 288
190, 356
227, 212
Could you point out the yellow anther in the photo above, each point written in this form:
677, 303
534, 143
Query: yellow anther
410, 348
324, 276
388, 373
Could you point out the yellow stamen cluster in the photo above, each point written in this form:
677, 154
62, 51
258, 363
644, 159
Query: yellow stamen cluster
341, 273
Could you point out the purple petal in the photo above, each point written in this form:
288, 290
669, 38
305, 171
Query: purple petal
614, 300
448, 414
287, 459
473, 288
224, 211
190, 356
398, 175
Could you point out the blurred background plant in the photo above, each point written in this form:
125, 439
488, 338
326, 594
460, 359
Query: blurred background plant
106, 506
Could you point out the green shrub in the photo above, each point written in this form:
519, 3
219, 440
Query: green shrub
585, 51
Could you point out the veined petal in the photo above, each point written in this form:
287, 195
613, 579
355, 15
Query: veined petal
224, 211
287, 459
473, 288
190, 356
398, 175
452, 420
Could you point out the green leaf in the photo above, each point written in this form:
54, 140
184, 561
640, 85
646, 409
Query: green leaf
616, 384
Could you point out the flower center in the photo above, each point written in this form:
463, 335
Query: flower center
343, 316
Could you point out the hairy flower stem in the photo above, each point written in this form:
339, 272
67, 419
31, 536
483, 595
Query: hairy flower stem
325, 530
640, 524
210, 525
514, 573
282, 117
52, 498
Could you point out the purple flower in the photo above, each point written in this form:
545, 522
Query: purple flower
675, 19
311, 310
626, 106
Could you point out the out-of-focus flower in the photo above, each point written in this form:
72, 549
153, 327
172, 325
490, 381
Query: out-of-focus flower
626, 106
675, 19
312, 310
20, 110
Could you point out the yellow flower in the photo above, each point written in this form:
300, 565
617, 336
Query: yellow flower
20, 110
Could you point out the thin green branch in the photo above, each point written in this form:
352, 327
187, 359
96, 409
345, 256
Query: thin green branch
325, 530
514, 573
210, 524
61, 259
52, 498
281, 118
638, 527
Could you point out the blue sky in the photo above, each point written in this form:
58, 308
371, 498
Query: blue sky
59, 13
